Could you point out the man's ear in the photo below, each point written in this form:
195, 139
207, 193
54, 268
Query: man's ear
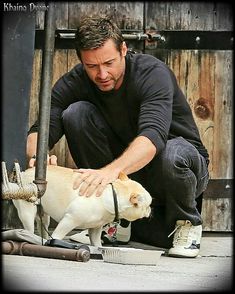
123, 177
124, 48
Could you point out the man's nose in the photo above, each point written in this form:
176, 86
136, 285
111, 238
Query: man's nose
102, 73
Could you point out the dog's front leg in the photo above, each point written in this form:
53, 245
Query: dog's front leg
66, 225
27, 213
95, 236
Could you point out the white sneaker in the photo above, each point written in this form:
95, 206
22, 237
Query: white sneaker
186, 242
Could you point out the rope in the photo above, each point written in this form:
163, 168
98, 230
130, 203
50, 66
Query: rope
17, 190
27, 192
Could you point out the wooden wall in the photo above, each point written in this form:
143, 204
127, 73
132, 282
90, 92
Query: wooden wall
204, 75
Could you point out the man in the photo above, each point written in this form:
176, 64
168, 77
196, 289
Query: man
122, 111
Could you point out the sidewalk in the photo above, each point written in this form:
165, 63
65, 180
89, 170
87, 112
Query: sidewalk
211, 271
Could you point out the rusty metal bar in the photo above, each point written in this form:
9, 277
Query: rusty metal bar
167, 39
27, 249
45, 100
126, 36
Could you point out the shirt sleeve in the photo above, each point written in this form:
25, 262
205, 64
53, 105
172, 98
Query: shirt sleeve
33, 128
156, 92
64, 92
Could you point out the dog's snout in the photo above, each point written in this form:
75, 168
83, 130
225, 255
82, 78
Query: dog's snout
148, 212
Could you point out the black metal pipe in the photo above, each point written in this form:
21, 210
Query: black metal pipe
45, 99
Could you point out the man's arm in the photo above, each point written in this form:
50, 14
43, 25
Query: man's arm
31, 150
139, 153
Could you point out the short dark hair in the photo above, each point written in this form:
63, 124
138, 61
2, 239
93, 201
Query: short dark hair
93, 32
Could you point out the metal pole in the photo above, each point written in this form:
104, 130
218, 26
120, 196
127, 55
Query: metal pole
45, 100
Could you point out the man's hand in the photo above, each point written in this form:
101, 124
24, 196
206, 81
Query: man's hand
51, 160
93, 180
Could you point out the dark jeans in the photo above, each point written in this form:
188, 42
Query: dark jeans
175, 178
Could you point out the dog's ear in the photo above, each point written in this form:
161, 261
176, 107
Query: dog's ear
135, 199
123, 177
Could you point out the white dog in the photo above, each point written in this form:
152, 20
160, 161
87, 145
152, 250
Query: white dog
70, 210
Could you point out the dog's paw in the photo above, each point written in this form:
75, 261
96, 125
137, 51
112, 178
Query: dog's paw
81, 237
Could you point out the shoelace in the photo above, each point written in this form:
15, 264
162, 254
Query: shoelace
181, 235
176, 227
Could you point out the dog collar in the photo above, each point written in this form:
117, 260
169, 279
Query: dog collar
116, 219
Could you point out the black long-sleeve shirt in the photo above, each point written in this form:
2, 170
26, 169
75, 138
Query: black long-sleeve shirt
148, 103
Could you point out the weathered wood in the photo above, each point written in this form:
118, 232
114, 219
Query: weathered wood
72, 59
206, 79
194, 71
60, 67
128, 15
61, 15
40, 16
223, 16
35, 87
222, 165
188, 16
217, 214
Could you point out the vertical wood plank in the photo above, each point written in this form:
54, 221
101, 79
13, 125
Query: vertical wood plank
72, 61
194, 71
201, 16
217, 215
60, 63
178, 15
223, 16
35, 87
40, 17
223, 136
61, 15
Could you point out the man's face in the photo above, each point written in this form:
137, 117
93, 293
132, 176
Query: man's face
105, 66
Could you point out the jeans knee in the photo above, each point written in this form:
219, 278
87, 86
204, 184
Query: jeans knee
78, 115
77, 111
176, 158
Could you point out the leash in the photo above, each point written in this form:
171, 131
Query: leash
42, 226
116, 219
112, 231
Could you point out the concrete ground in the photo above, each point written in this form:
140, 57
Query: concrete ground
211, 271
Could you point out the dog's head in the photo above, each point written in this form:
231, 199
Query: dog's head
133, 199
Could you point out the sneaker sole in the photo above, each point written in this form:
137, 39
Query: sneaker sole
183, 255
